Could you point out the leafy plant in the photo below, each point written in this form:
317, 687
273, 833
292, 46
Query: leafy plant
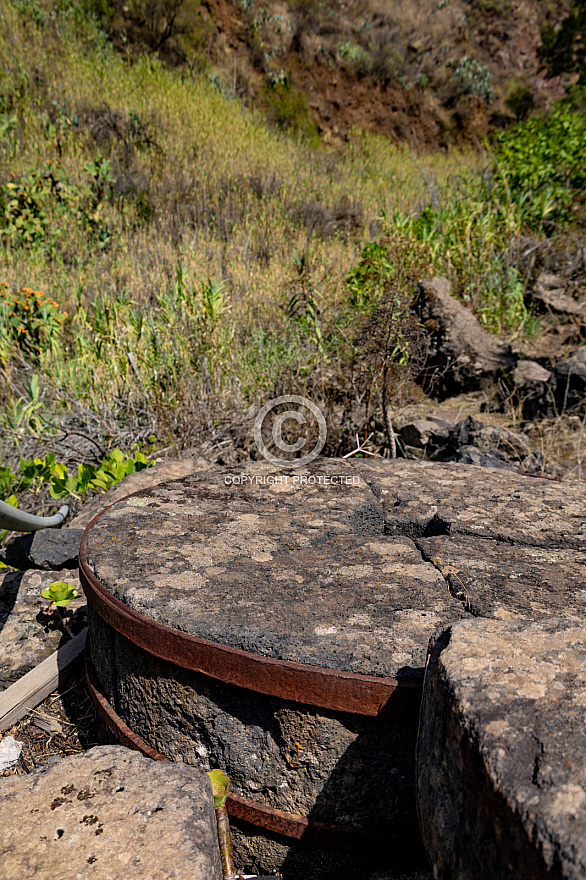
474, 79
540, 165
60, 594
220, 783
25, 415
288, 108
25, 219
520, 100
36, 473
30, 319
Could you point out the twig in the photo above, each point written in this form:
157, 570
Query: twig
360, 448
225, 841
579, 444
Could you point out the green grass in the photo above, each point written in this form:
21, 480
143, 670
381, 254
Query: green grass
170, 224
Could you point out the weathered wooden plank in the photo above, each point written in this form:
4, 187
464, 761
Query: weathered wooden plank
32, 688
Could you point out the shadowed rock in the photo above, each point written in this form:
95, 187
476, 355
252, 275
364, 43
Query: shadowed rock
49, 549
532, 389
570, 381
461, 355
501, 766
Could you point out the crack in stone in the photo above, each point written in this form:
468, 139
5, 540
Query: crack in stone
453, 591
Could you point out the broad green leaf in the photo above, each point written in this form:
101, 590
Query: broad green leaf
220, 783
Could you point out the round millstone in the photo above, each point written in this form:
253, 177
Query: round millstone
324, 566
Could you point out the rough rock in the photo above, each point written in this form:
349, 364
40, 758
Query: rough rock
472, 432
328, 574
231, 545
501, 766
430, 436
27, 634
330, 766
48, 549
462, 356
550, 292
422, 499
489, 446
496, 579
301, 572
109, 814
469, 441
492, 458
532, 389
570, 381
167, 469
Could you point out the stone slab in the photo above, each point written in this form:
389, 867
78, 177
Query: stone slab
27, 635
297, 572
48, 549
421, 499
109, 814
162, 471
496, 579
501, 775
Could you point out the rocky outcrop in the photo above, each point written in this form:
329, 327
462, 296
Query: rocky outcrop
109, 814
501, 765
532, 389
461, 355
570, 382
469, 441
551, 294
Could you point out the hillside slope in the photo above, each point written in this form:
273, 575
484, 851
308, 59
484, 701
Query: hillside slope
428, 71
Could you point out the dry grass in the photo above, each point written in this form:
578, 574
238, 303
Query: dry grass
188, 186
63, 724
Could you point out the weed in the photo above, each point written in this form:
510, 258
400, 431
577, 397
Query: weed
36, 473
31, 320
288, 108
520, 100
541, 166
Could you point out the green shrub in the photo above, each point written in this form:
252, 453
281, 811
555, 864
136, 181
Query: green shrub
35, 473
541, 167
474, 79
31, 320
520, 101
288, 108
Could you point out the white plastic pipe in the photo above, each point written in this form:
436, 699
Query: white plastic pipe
18, 521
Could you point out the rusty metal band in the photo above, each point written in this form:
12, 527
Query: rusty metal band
540, 476
310, 685
269, 819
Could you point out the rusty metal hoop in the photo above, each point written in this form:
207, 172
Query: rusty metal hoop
276, 821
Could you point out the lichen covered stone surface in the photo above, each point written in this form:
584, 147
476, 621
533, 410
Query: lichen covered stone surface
300, 572
501, 770
109, 814
496, 579
423, 499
